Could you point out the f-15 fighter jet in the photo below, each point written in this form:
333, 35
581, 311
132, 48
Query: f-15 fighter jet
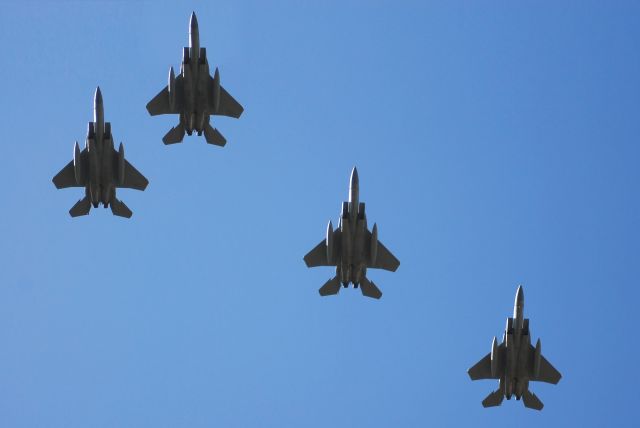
352, 248
515, 362
99, 168
194, 95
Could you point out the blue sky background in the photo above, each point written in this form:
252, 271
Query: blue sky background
497, 144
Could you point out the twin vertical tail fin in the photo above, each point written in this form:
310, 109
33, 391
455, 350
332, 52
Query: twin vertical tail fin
120, 209
82, 207
213, 136
330, 287
531, 401
493, 399
369, 289
175, 135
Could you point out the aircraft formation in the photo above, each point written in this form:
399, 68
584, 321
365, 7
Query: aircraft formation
194, 95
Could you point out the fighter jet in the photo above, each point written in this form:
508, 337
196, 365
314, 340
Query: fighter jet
352, 248
194, 95
99, 168
515, 362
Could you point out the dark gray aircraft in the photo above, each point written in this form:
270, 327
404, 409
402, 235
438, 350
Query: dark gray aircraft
352, 248
515, 362
99, 168
194, 95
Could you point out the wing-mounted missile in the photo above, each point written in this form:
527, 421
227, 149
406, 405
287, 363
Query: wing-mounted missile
329, 242
91, 130
171, 87
121, 165
216, 90
77, 164
374, 244
536, 359
494, 357
202, 58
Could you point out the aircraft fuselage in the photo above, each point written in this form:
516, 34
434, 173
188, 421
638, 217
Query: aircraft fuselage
100, 183
195, 73
515, 380
352, 265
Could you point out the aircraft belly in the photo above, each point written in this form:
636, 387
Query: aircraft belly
94, 192
106, 194
200, 121
202, 96
358, 256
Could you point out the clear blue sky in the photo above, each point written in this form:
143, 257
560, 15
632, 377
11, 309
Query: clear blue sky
497, 144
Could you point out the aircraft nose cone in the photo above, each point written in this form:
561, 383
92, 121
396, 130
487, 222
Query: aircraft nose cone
519, 296
97, 98
354, 177
193, 22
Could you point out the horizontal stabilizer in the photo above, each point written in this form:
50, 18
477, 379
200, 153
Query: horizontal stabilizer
330, 287
531, 401
82, 207
120, 209
213, 136
369, 289
175, 135
493, 399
